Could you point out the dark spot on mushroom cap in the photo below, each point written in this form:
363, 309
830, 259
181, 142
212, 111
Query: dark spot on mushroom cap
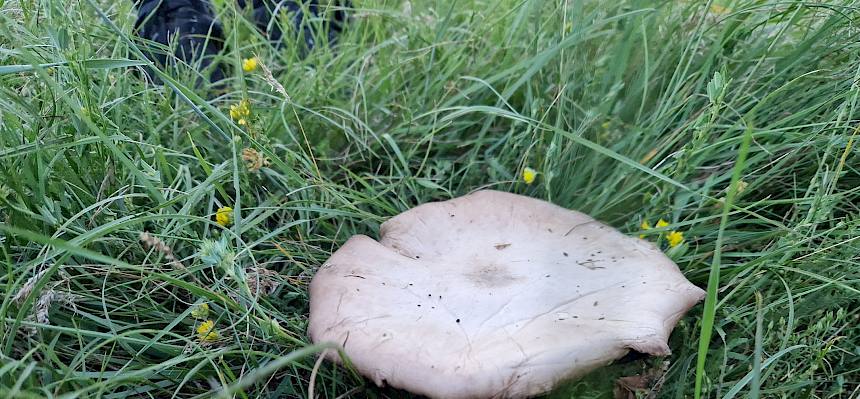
492, 275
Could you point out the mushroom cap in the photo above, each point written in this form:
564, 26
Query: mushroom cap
494, 295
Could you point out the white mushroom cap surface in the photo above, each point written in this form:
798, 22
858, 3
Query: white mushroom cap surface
494, 295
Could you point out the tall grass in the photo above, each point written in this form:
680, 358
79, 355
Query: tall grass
736, 122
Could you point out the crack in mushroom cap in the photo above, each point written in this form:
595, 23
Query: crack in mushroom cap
494, 295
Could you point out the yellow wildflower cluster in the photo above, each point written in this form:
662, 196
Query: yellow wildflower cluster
529, 175
644, 226
249, 64
224, 216
241, 112
673, 238
206, 332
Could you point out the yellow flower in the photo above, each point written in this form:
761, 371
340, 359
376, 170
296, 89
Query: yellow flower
644, 226
249, 64
529, 175
224, 215
675, 238
662, 223
206, 332
200, 311
241, 111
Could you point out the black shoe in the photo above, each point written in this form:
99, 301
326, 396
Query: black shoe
306, 25
191, 23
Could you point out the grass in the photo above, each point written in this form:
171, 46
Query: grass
735, 122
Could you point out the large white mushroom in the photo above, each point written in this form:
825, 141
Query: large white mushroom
494, 295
